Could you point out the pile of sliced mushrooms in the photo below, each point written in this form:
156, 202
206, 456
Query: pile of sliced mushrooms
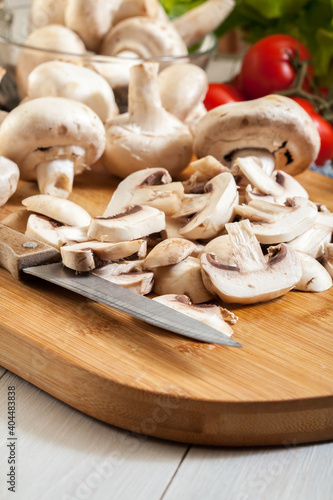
239, 230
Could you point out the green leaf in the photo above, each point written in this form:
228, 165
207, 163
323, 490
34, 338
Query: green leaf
271, 9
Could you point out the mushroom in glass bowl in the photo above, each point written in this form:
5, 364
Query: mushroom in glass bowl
17, 42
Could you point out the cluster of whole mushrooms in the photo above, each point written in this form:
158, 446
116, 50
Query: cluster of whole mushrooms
240, 229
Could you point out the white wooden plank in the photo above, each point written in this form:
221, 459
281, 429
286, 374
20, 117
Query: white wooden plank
282, 473
2, 371
65, 455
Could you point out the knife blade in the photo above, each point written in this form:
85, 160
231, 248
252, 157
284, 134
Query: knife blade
23, 256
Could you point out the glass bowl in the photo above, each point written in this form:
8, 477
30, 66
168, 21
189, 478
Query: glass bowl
14, 29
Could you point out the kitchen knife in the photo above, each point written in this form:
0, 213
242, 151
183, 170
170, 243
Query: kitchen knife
25, 257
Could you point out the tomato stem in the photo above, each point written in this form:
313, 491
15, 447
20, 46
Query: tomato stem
321, 105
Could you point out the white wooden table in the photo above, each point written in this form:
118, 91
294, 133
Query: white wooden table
62, 454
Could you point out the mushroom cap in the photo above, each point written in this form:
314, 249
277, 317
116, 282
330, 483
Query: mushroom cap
64, 211
9, 177
44, 12
189, 92
91, 19
168, 252
48, 40
144, 37
315, 278
51, 127
183, 278
64, 79
273, 123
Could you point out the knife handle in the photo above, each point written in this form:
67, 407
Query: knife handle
17, 251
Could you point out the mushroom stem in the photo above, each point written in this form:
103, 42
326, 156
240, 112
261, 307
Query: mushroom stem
144, 101
203, 19
246, 248
55, 177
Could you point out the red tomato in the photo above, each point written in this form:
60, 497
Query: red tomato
324, 128
222, 93
267, 66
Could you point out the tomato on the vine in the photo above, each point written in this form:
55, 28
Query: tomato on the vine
269, 65
324, 128
222, 93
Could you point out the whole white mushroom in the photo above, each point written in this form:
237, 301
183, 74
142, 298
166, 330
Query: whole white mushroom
51, 139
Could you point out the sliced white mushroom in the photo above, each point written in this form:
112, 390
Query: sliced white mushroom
327, 259
202, 19
204, 170
152, 187
273, 223
185, 98
52, 233
136, 222
56, 40
168, 252
86, 256
220, 246
128, 274
9, 177
172, 227
267, 187
51, 139
64, 211
275, 124
315, 278
251, 277
183, 278
264, 158
313, 240
147, 135
209, 220
64, 79
210, 314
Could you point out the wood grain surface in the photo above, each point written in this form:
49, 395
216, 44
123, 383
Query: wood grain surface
277, 389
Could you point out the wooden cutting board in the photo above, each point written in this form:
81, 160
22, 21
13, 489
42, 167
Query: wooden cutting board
276, 390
